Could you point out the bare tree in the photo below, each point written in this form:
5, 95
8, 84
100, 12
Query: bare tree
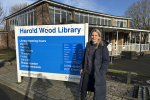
139, 11
17, 7
2, 13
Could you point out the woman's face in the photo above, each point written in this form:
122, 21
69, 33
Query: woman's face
95, 37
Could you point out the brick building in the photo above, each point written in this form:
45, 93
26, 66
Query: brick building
114, 29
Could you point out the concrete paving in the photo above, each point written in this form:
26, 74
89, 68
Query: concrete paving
45, 89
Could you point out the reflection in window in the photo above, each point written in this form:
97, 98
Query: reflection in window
81, 18
90, 19
86, 19
77, 17
68, 16
63, 16
94, 19
121, 24
109, 22
29, 21
102, 21
106, 22
23, 19
57, 16
31, 18
51, 16
25, 16
98, 20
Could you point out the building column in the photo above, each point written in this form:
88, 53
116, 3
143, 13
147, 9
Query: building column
112, 21
73, 15
128, 23
130, 42
117, 43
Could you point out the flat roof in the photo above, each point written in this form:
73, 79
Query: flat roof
65, 6
121, 29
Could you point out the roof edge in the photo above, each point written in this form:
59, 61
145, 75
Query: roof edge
66, 6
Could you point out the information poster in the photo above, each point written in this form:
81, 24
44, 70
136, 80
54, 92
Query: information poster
50, 51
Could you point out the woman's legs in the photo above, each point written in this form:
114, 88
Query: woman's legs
85, 82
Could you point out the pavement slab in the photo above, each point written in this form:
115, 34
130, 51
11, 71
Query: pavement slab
45, 89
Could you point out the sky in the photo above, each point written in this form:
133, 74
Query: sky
112, 7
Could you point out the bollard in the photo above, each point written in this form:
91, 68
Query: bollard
128, 77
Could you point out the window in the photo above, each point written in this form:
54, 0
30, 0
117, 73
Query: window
77, 17
102, 21
86, 18
120, 22
68, 15
51, 16
24, 19
29, 21
63, 16
57, 15
90, 19
94, 20
98, 20
31, 18
81, 18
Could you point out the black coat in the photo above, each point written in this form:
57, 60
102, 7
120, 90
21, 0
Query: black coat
101, 64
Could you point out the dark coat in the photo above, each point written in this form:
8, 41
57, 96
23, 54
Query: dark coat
101, 64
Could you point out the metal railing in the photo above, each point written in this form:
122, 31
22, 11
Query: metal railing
116, 50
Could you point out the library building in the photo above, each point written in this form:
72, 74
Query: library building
115, 29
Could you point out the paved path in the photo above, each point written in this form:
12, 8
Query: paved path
44, 89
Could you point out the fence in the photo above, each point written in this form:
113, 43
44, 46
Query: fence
116, 50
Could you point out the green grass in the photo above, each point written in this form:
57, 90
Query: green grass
8, 55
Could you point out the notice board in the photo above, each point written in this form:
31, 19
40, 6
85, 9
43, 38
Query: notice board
50, 51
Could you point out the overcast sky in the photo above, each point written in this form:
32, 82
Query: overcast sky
113, 7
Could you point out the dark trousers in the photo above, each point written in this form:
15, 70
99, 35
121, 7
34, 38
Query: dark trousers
88, 81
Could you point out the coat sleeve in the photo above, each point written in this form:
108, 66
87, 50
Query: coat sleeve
105, 60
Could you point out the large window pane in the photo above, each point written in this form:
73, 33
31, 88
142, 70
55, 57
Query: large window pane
63, 16
106, 22
90, 20
121, 23
98, 20
31, 18
29, 21
94, 20
68, 16
51, 16
76, 18
125, 23
109, 22
118, 23
25, 19
57, 16
102, 21
81, 19
86, 19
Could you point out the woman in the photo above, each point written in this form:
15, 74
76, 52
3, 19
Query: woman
94, 66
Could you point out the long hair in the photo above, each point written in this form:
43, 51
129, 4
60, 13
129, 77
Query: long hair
99, 34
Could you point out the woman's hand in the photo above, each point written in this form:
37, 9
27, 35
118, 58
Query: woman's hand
81, 71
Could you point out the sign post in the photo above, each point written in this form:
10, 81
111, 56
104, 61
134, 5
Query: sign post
50, 51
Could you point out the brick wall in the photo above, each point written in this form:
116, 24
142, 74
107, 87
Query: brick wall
3, 38
42, 11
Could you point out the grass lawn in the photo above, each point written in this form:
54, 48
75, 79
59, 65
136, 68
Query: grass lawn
8, 55
141, 66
